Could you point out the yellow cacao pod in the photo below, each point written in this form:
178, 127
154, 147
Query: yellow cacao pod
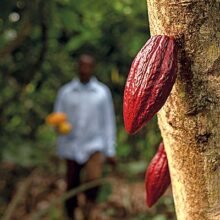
56, 118
64, 128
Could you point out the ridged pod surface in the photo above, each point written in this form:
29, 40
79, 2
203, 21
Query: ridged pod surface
157, 178
150, 80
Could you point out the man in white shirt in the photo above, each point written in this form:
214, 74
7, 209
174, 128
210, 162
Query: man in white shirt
88, 105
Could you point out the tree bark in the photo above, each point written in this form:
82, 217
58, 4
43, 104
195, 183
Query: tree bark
190, 119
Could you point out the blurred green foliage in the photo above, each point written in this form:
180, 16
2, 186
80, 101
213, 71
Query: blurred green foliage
39, 45
40, 41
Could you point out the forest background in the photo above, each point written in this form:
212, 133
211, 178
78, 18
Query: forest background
40, 42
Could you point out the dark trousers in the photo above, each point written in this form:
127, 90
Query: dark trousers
93, 170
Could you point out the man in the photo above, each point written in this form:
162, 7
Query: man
88, 105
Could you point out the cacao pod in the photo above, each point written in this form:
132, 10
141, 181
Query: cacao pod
56, 118
157, 178
64, 128
150, 80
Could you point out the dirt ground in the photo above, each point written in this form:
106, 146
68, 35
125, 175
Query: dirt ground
35, 192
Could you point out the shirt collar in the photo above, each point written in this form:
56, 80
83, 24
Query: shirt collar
91, 85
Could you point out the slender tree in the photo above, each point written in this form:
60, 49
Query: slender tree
190, 119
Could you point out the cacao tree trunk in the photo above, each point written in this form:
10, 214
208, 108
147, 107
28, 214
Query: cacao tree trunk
190, 119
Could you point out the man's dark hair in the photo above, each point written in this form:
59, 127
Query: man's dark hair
87, 58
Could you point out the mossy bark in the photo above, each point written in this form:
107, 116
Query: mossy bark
190, 119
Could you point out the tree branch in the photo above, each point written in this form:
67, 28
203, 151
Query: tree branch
38, 215
12, 45
18, 196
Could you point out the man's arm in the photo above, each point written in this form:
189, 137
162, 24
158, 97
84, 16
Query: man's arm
58, 106
109, 126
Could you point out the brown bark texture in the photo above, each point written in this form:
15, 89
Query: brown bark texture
190, 119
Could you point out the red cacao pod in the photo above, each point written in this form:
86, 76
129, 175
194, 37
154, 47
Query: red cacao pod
150, 80
157, 178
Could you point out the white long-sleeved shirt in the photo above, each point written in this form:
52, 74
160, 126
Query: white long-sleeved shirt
90, 110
